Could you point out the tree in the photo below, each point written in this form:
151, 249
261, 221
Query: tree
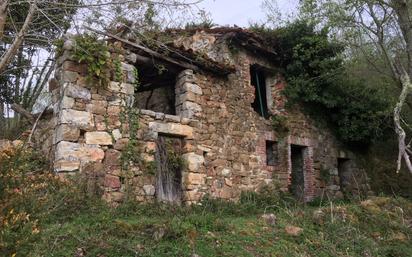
385, 26
316, 73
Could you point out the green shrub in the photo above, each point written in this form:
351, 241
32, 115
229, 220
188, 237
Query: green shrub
101, 65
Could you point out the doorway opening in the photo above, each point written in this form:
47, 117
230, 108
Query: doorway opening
272, 155
344, 173
169, 169
297, 186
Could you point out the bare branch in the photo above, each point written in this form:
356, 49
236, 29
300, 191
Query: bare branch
10, 53
3, 16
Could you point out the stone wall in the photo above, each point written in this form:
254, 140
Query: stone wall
224, 138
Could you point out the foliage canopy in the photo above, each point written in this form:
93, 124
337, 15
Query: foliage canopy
316, 72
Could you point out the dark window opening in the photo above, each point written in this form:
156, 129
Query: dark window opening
156, 91
258, 80
344, 173
169, 166
271, 153
297, 186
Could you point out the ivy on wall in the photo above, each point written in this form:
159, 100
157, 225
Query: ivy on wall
102, 66
314, 68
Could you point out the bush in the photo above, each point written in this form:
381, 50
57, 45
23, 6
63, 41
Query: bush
30, 196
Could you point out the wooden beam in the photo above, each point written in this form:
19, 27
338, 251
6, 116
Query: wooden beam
153, 86
148, 51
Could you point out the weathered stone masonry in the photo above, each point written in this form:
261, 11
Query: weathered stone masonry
225, 140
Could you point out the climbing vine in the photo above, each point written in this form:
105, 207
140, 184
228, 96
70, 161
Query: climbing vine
280, 124
93, 52
175, 160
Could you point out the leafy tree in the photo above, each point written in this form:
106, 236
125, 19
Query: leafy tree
386, 27
314, 68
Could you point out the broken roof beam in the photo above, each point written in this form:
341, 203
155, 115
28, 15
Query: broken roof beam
148, 51
188, 63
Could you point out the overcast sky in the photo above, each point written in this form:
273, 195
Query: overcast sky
241, 12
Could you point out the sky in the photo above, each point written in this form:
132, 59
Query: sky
242, 12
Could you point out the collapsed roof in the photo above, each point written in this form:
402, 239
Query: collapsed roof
196, 49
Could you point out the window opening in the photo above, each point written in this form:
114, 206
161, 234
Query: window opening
271, 153
258, 80
297, 186
156, 91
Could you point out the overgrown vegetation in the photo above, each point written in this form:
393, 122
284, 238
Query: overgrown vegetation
314, 68
280, 124
90, 50
42, 215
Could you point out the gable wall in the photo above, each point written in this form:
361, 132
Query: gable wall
224, 138
236, 135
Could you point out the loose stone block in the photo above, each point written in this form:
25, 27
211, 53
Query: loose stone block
172, 118
192, 195
81, 119
195, 178
66, 132
149, 190
191, 106
114, 86
116, 134
53, 84
190, 87
129, 70
66, 166
98, 138
114, 110
76, 91
132, 58
172, 128
127, 88
66, 103
112, 158
69, 76
78, 152
97, 107
188, 96
112, 182
121, 143
148, 112
75, 67
193, 161
226, 172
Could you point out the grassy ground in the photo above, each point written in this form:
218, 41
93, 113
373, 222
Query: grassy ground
43, 216
377, 227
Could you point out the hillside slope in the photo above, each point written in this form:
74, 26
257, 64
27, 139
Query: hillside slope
42, 215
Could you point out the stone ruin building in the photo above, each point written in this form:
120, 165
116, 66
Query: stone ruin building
209, 101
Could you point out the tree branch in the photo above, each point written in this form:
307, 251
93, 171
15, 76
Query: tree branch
26, 114
8, 55
3, 16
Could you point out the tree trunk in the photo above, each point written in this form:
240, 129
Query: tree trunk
403, 153
11, 52
2, 120
3, 16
